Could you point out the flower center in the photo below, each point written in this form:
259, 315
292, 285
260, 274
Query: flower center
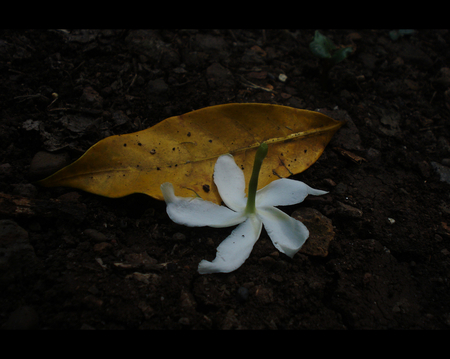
253, 184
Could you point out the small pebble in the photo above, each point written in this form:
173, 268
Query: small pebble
320, 228
91, 98
242, 294
95, 235
102, 247
348, 211
25, 190
44, 164
443, 171
157, 86
282, 77
70, 196
373, 154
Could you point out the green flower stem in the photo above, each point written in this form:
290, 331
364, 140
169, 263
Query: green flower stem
253, 184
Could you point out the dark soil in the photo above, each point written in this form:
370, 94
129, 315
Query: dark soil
75, 260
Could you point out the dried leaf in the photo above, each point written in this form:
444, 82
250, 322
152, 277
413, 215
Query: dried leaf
350, 155
183, 150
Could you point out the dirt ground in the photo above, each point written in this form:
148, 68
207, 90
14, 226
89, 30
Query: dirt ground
74, 260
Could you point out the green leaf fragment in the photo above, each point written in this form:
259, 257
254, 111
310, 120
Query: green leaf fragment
396, 34
324, 48
341, 54
321, 46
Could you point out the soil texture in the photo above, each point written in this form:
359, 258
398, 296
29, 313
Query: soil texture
74, 260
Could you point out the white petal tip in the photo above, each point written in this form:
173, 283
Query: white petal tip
290, 253
166, 186
206, 267
168, 192
317, 192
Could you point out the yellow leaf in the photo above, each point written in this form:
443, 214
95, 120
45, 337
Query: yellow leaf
183, 150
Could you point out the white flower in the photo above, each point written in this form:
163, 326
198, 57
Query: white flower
287, 234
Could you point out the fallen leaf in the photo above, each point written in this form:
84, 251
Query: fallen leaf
183, 150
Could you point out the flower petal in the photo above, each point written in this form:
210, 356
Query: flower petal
196, 212
235, 249
284, 192
230, 182
287, 234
